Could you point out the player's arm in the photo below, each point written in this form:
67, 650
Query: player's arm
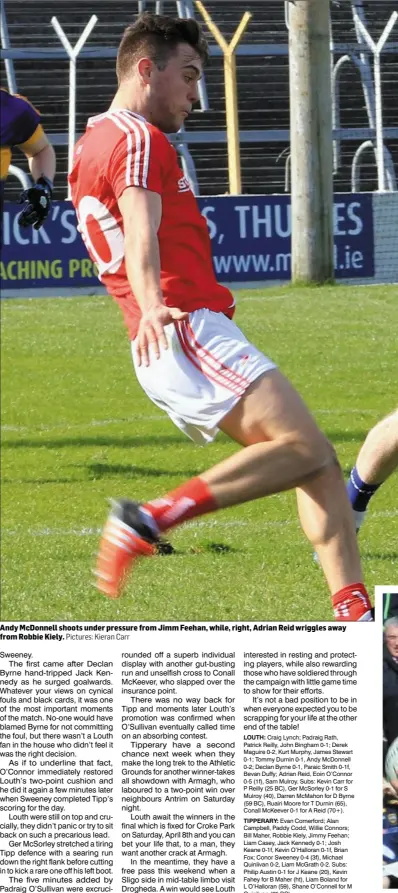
141, 210
42, 164
41, 157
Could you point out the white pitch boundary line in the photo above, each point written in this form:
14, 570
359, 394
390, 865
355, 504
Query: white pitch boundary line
142, 417
95, 531
94, 423
345, 412
270, 295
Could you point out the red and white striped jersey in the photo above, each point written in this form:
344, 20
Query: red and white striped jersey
121, 149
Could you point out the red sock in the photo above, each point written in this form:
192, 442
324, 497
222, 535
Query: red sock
351, 603
191, 499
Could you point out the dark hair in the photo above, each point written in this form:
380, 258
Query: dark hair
158, 37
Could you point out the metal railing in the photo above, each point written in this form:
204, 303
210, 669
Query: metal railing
372, 89
21, 175
374, 136
359, 54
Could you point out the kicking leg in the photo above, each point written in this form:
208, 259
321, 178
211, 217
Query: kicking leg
283, 448
299, 450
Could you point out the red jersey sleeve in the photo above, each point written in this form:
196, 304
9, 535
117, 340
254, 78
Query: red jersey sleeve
140, 157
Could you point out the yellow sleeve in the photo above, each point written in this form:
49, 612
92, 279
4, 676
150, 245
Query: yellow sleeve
5, 161
29, 146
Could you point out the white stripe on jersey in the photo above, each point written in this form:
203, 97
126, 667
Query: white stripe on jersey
112, 117
138, 124
131, 124
142, 153
137, 159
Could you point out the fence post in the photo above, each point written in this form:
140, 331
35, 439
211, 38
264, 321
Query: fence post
311, 141
231, 97
336, 108
185, 11
73, 53
6, 45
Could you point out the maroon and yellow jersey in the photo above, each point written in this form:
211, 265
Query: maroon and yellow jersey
19, 126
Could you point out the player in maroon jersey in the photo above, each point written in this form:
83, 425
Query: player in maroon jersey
20, 125
142, 226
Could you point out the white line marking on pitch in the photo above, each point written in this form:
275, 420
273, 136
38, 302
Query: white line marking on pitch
95, 423
95, 531
142, 417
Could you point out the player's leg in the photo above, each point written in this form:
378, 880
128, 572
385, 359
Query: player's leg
278, 455
283, 445
377, 460
283, 449
297, 450
327, 521
275, 458
274, 410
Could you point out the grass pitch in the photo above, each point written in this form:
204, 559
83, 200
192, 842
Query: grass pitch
77, 429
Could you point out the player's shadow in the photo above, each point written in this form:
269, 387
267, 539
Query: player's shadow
214, 549
354, 437
205, 548
99, 470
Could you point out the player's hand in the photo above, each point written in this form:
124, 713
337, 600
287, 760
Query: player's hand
151, 334
37, 203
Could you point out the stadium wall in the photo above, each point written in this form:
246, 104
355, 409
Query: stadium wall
251, 237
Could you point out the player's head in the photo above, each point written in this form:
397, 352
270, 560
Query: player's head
163, 57
391, 636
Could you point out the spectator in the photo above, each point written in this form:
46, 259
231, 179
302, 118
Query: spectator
390, 680
390, 605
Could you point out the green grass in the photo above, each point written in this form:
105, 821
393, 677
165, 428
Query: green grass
77, 429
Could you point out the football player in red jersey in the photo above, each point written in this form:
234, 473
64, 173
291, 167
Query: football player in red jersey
142, 226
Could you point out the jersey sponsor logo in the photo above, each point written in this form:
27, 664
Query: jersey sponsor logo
183, 185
